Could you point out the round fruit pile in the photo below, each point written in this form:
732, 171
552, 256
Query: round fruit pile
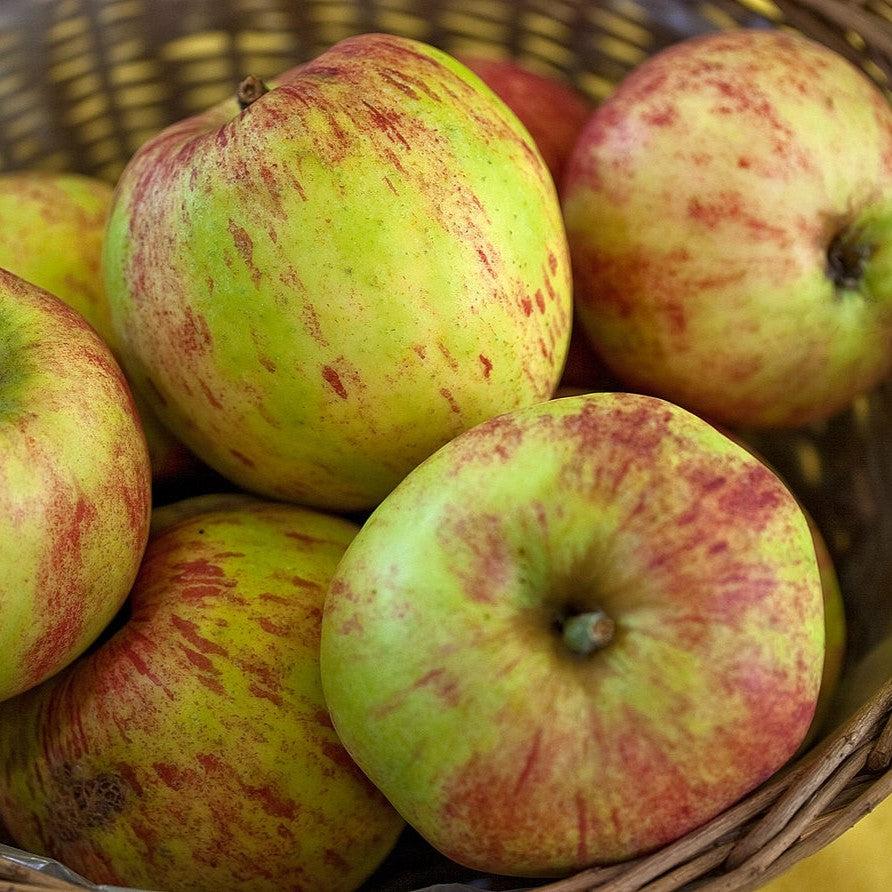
572, 629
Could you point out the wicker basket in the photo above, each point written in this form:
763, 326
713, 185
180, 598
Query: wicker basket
83, 83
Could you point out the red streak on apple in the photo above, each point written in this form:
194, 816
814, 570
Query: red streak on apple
334, 380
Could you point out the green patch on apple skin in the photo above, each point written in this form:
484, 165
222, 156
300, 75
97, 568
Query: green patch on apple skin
872, 261
13, 368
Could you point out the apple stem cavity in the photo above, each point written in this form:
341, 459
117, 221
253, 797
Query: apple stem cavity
250, 90
847, 259
585, 633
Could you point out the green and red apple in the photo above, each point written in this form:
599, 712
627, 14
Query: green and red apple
51, 231
575, 633
322, 288
74, 486
193, 749
729, 211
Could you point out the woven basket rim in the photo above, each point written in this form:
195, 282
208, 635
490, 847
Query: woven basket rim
817, 797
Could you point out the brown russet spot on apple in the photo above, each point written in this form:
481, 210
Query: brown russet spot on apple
83, 801
487, 365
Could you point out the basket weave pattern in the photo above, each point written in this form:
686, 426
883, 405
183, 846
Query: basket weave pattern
83, 83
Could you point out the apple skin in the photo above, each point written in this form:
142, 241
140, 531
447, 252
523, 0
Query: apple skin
193, 749
834, 633
74, 486
169, 515
51, 231
834, 609
700, 203
450, 687
553, 112
322, 289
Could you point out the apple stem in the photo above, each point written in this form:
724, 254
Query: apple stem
587, 632
847, 258
250, 90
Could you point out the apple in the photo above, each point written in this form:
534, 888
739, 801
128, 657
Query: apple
575, 633
321, 289
729, 211
51, 232
552, 111
193, 749
74, 486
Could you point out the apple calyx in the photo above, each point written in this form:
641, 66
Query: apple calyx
250, 90
847, 257
585, 633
